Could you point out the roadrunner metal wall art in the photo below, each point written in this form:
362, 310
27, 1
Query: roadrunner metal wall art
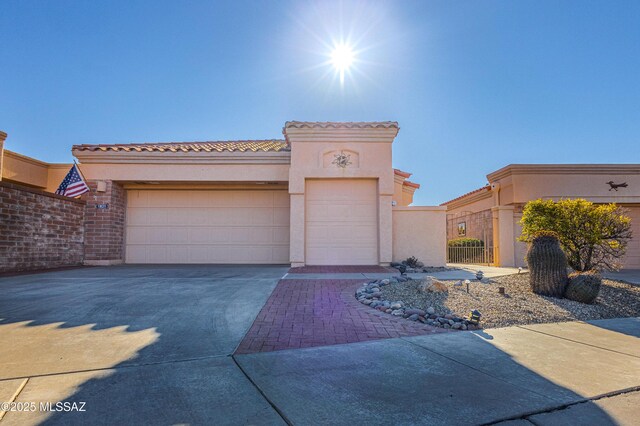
615, 186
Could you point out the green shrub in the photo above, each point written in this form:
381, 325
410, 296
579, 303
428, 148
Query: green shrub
465, 242
594, 236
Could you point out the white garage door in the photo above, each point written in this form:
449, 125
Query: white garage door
341, 222
632, 259
207, 226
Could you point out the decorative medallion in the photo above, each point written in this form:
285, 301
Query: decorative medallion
615, 186
342, 160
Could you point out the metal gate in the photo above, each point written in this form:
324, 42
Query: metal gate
473, 255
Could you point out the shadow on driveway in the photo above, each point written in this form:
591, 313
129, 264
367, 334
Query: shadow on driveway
138, 344
168, 331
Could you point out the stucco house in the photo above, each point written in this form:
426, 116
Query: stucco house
492, 213
326, 194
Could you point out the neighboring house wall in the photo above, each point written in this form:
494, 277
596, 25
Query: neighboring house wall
515, 185
478, 225
104, 227
3, 137
420, 232
28, 171
39, 230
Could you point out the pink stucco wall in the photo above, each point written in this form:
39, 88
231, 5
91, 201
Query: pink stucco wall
420, 232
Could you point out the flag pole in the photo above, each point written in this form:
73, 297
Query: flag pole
81, 174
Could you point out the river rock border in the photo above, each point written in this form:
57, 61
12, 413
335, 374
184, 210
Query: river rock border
370, 294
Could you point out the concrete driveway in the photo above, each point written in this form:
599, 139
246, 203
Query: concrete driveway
153, 345
138, 344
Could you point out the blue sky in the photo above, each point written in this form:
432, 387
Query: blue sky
475, 85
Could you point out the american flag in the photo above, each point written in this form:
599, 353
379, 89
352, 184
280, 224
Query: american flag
73, 184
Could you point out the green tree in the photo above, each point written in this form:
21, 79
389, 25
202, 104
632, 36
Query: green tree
594, 236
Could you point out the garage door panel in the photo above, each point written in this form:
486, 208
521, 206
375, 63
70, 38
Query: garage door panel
341, 222
253, 199
281, 216
365, 211
281, 236
213, 226
156, 216
136, 254
248, 236
202, 235
316, 212
281, 199
140, 198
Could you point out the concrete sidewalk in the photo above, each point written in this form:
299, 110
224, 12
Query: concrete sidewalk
631, 276
458, 272
573, 373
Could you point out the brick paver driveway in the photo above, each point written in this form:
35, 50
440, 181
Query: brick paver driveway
304, 313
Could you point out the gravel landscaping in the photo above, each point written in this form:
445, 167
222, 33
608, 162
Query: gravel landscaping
516, 307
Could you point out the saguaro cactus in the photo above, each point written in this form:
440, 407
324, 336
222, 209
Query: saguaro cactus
547, 266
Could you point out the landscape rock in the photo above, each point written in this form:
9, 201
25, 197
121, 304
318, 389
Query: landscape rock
430, 284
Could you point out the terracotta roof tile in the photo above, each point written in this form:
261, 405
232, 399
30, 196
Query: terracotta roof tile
411, 184
341, 124
475, 191
275, 145
401, 173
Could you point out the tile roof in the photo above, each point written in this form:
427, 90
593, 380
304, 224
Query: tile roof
271, 145
402, 173
411, 184
341, 124
475, 191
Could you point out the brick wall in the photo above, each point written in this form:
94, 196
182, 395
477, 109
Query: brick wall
479, 225
104, 227
39, 230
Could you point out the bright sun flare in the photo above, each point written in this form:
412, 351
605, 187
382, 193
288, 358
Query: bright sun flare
342, 58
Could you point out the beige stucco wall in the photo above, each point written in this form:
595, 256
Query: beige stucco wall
313, 150
22, 169
398, 197
403, 189
472, 204
185, 167
515, 185
25, 170
530, 182
407, 195
420, 232
3, 137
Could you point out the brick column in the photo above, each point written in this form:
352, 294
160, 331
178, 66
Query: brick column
104, 223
